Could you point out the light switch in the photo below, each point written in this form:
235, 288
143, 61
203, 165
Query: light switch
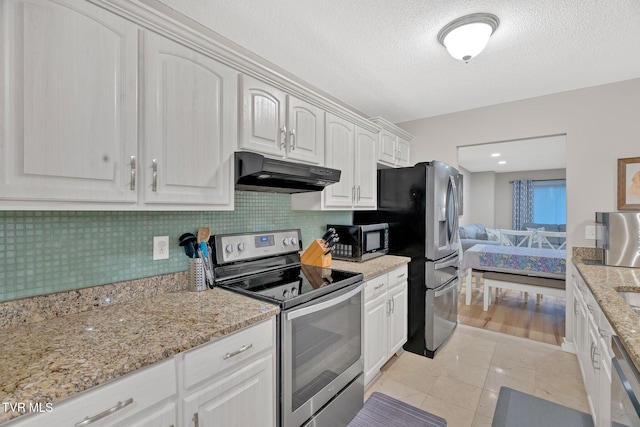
590, 232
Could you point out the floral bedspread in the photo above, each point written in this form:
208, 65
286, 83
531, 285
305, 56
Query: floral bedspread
535, 260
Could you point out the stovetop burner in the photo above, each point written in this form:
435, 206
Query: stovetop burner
292, 285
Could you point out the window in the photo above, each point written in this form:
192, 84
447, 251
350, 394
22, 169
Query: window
550, 202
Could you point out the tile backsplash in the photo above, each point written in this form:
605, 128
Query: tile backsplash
42, 252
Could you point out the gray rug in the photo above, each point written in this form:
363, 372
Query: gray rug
518, 409
381, 410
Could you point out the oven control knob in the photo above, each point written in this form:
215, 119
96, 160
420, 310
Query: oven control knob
240, 247
294, 291
229, 248
294, 241
286, 241
286, 294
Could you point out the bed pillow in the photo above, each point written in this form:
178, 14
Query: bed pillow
493, 234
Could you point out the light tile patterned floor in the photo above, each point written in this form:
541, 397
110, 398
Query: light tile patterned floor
462, 383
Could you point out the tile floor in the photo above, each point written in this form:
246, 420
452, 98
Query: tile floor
462, 383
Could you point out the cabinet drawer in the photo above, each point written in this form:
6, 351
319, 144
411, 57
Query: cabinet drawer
207, 360
375, 287
148, 390
398, 276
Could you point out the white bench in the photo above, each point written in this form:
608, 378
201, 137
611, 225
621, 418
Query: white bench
527, 284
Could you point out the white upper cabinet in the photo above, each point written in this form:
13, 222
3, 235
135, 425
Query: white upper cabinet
366, 174
352, 150
69, 103
190, 125
395, 144
280, 125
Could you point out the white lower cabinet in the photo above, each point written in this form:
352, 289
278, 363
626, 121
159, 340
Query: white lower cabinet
210, 385
144, 398
385, 319
592, 337
219, 381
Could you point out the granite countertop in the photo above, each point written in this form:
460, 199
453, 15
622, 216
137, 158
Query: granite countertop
50, 360
604, 281
373, 267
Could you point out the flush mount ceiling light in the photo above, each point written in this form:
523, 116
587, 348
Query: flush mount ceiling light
467, 36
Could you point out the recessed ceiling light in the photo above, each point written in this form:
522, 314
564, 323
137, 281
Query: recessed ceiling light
502, 162
495, 155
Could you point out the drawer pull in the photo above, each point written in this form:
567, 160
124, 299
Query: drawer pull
378, 287
401, 275
235, 353
118, 406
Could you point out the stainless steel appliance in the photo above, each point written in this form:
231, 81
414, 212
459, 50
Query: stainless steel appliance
360, 242
420, 204
320, 359
256, 172
625, 388
618, 238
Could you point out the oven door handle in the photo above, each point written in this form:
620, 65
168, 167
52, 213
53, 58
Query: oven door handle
324, 305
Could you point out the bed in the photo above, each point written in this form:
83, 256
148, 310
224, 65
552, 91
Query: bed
519, 268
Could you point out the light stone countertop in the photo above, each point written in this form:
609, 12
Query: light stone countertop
50, 360
604, 281
373, 267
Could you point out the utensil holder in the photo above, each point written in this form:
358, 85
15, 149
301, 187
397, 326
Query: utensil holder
197, 280
315, 254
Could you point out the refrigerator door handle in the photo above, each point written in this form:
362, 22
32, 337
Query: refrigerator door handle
453, 283
453, 261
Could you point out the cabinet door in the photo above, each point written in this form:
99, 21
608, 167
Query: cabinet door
397, 318
340, 140
245, 397
403, 153
375, 336
306, 132
69, 97
262, 127
366, 177
387, 148
190, 125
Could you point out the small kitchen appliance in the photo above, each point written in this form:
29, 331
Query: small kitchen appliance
618, 238
361, 242
319, 329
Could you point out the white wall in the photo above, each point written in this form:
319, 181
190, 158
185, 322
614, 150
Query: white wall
482, 199
602, 124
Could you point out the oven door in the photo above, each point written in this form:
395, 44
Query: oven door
321, 352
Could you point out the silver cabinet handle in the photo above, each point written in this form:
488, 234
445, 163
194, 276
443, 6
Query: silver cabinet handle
398, 155
594, 353
393, 305
575, 307
154, 168
378, 287
353, 193
235, 353
388, 306
283, 132
590, 307
196, 420
292, 133
132, 184
603, 333
401, 275
358, 194
118, 406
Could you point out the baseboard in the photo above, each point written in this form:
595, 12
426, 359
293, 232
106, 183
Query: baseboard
568, 346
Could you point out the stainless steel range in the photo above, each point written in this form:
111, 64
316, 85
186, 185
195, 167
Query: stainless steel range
320, 361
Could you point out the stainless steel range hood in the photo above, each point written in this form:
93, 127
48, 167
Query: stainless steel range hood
254, 172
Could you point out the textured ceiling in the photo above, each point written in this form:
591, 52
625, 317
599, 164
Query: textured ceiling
382, 57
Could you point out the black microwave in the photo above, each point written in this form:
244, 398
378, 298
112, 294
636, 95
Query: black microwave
361, 242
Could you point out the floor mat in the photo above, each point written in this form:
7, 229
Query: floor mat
381, 410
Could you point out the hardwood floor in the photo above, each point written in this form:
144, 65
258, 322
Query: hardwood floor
509, 314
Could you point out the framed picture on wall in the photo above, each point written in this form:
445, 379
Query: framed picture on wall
629, 183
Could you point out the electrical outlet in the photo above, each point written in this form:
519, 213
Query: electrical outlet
160, 247
590, 232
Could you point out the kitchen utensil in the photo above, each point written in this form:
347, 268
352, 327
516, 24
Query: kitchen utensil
204, 233
187, 240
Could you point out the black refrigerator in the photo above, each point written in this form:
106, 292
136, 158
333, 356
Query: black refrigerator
421, 204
